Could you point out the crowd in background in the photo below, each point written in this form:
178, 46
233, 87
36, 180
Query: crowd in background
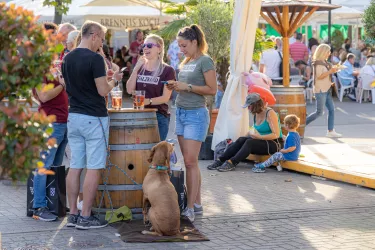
356, 60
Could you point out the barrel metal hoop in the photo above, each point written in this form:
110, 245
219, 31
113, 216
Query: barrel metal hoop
289, 105
292, 92
127, 147
133, 123
119, 187
129, 116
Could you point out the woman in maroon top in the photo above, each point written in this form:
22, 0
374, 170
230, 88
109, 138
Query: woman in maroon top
52, 102
149, 74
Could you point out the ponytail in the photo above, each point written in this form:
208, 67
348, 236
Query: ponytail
194, 32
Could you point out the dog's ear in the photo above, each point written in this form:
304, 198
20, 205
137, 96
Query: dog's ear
152, 154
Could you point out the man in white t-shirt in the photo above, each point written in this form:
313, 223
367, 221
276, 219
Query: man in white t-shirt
293, 39
270, 63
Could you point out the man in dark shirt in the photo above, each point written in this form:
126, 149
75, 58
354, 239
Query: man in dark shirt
87, 83
52, 102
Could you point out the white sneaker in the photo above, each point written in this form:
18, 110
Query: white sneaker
333, 134
80, 205
189, 213
279, 167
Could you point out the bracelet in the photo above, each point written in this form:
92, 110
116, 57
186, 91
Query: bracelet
150, 100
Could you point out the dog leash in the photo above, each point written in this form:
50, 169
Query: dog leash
108, 168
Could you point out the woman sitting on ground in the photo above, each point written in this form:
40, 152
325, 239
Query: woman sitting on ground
265, 140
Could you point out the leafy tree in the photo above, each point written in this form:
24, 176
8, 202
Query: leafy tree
337, 39
368, 20
215, 18
61, 8
26, 54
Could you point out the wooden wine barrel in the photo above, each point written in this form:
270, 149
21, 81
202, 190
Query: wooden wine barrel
132, 134
290, 100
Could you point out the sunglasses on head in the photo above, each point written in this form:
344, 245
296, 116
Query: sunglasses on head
150, 45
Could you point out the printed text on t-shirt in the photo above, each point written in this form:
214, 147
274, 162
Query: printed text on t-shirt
148, 79
189, 68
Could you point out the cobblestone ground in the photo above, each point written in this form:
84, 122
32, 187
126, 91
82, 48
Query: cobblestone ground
243, 210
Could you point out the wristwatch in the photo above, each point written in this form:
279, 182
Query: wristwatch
190, 87
150, 100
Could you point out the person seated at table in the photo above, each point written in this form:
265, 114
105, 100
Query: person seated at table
342, 56
367, 73
348, 74
349, 71
305, 72
335, 57
369, 68
364, 54
266, 139
149, 74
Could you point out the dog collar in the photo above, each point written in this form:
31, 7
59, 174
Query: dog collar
159, 167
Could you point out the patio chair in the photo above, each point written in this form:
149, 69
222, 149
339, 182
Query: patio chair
365, 85
295, 80
344, 87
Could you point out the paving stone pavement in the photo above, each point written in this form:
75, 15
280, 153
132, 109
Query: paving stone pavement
243, 210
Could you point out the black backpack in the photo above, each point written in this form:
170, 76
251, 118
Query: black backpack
281, 65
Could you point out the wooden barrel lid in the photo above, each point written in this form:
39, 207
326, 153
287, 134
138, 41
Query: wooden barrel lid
130, 110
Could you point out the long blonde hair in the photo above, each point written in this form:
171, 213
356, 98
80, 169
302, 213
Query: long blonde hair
161, 65
370, 61
191, 33
321, 52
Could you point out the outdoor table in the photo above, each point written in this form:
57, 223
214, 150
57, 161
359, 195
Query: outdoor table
132, 133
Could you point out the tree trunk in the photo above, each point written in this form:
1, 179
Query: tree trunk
58, 17
222, 68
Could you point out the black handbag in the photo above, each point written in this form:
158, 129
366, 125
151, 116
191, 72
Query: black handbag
178, 181
55, 192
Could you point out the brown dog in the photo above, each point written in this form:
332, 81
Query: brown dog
159, 192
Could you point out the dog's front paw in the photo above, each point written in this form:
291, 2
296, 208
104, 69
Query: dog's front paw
145, 232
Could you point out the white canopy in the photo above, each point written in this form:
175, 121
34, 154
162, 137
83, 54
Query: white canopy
355, 4
343, 15
114, 17
233, 120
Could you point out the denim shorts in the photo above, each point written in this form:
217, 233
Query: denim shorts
87, 142
192, 124
163, 124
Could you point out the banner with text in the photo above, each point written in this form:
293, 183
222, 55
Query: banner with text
131, 22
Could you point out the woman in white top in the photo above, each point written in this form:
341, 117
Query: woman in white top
369, 68
367, 76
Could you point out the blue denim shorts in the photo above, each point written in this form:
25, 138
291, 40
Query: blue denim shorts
87, 142
192, 124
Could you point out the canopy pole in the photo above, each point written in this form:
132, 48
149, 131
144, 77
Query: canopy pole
329, 25
285, 26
